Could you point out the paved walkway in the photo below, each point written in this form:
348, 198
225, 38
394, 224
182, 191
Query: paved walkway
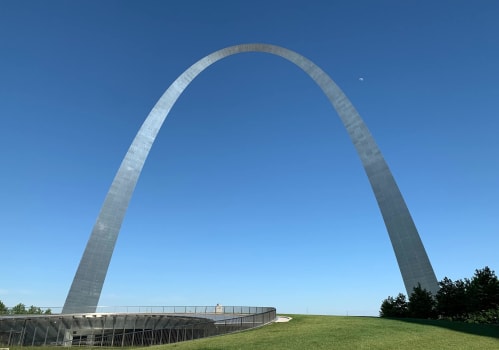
283, 319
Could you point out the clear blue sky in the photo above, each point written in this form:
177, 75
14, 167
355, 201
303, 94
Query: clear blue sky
252, 194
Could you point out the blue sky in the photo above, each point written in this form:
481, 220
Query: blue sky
252, 194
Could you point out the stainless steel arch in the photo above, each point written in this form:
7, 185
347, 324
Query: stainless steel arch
411, 256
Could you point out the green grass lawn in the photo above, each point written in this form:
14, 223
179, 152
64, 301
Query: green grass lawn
335, 332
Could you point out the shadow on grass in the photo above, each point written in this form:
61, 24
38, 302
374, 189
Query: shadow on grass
484, 330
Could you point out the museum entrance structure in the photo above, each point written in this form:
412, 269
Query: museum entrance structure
130, 326
415, 267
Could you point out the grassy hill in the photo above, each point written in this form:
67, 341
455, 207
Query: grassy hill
334, 332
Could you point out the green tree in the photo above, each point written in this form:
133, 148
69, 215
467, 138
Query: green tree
421, 303
34, 310
452, 299
473, 300
483, 290
19, 309
3, 309
394, 307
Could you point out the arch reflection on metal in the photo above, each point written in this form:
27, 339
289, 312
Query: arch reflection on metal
411, 256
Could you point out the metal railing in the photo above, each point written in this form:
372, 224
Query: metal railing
131, 326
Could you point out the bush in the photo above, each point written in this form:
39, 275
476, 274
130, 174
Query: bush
488, 317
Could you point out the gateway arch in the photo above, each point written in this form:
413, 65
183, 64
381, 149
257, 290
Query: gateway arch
412, 259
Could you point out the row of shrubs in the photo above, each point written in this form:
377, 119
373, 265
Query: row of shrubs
474, 300
20, 309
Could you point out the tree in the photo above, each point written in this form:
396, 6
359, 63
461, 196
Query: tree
483, 290
421, 303
19, 309
391, 307
474, 301
452, 299
34, 310
3, 309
